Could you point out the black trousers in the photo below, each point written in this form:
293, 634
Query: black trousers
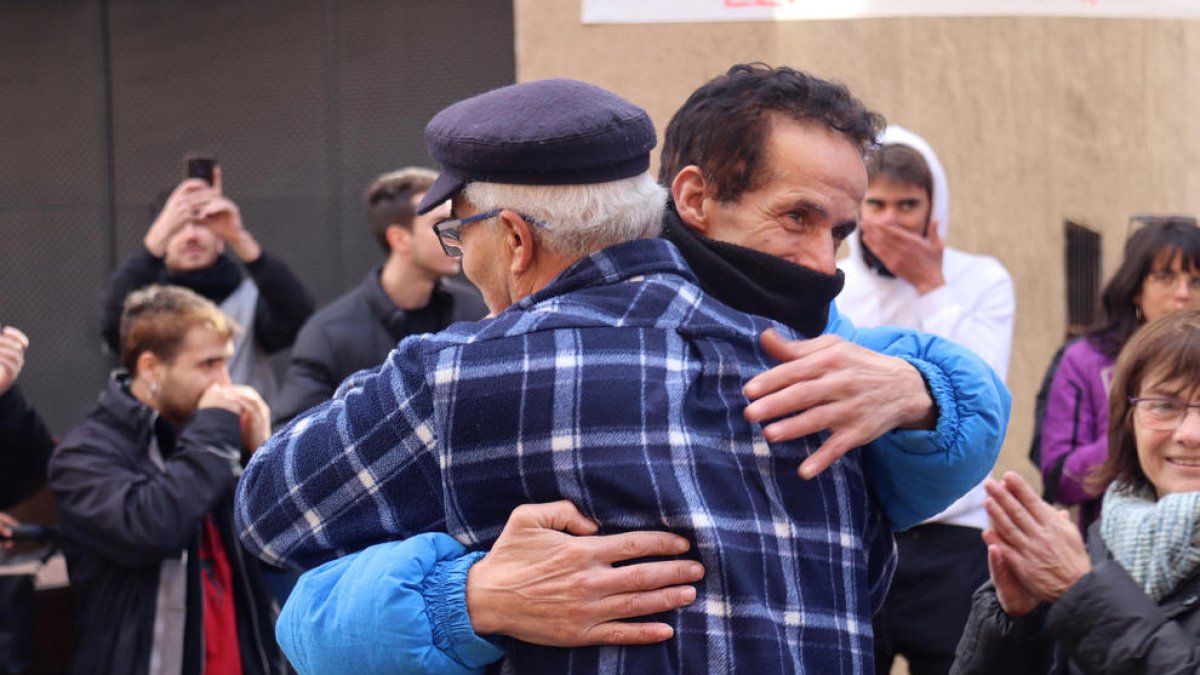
922, 619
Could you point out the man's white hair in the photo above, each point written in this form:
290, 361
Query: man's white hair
580, 219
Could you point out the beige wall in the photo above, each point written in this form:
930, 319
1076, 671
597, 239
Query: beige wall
1036, 121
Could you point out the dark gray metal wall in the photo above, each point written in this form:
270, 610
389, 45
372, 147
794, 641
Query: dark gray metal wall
303, 102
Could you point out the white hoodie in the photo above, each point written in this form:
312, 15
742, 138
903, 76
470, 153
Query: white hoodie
975, 308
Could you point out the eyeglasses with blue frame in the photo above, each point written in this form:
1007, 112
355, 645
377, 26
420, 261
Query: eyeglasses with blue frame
448, 230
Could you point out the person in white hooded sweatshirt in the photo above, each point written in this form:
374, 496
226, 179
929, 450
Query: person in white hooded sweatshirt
900, 273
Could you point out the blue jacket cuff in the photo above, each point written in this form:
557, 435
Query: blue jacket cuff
445, 594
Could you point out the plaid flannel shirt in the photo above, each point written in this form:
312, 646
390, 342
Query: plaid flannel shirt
617, 386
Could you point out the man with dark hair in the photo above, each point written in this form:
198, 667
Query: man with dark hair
899, 273
144, 490
726, 124
766, 173
414, 291
185, 246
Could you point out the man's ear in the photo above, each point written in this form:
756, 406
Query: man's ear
149, 367
516, 236
689, 190
398, 238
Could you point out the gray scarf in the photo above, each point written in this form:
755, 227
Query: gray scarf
1157, 542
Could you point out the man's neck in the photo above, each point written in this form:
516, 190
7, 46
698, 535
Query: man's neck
408, 288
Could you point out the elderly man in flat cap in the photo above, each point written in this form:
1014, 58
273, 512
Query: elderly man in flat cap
607, 377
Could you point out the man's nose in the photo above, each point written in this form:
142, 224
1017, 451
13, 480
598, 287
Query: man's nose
222, 377
820, 252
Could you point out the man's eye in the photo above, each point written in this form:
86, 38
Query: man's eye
843, 230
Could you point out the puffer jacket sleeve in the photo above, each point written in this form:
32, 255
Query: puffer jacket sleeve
396, 607
916, 474
994, 643
1107, 624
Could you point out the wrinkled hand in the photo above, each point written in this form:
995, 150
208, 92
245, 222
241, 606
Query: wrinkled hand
913, 258
541, 585
1039, 543
183, 206
829, 383
13, 345
1015, 599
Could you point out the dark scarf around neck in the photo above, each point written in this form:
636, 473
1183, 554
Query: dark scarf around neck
215, 283
754, 282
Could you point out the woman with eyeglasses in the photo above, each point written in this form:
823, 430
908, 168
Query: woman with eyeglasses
1159, 274
1129, 602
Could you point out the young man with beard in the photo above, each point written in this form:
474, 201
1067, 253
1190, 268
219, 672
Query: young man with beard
144, 491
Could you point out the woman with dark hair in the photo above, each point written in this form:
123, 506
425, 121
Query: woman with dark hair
1128, 602
1159, 274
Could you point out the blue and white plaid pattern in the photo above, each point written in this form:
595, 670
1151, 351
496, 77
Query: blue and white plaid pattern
618, 386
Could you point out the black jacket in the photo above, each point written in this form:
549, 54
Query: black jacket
357, 331
132, 497
283, 302
1105, 623
25, 446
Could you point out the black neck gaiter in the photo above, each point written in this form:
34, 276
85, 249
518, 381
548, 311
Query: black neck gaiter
754, 282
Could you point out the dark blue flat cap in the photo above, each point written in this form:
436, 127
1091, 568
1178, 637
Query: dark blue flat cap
547, 132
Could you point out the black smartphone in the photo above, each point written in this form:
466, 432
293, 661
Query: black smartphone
195, 166
31, 532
